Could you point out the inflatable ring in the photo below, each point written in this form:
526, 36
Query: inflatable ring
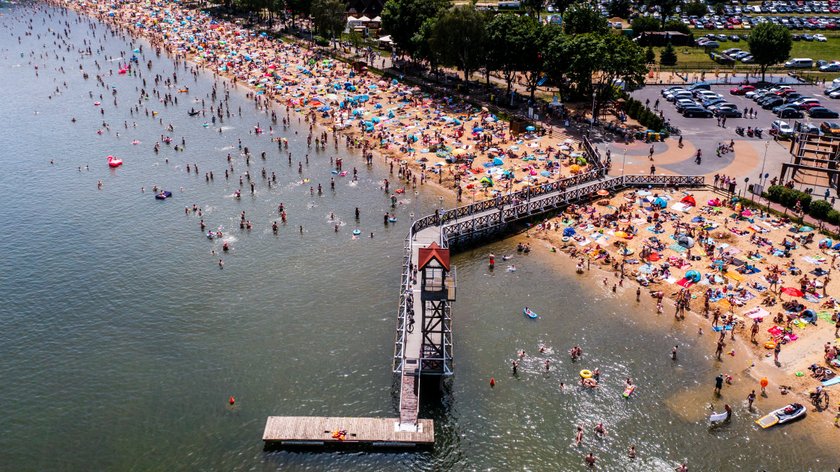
565, 239
357, 232
585, 374
769, 345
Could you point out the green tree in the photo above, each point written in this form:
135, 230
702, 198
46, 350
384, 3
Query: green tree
619, 59
582, 18
556, 52
666, 8
298, 8
644, 24
459, 38
402, 19
328, 16
535, 59
668, 57
620, 8
769, 44
533, 7
509, 38
650, 56
694, 8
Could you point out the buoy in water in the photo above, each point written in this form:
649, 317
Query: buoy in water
492, 382
231, 400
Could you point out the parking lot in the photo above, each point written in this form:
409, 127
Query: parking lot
705, 133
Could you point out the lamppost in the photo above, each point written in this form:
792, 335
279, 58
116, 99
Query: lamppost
592, 123
763, 162
623, 161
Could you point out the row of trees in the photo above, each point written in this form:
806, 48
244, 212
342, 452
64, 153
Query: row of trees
583, 58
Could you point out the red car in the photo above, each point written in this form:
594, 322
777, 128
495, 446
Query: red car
741, 90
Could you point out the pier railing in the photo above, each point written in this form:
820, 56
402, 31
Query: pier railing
484, 218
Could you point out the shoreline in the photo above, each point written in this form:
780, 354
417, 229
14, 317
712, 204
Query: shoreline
752, 361
761, 367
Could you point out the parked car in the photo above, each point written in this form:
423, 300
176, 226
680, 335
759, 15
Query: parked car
789, 112
820, 37
742, 90
771, 102
822, 112
800, 63
728, 112
831, 128
831, 67
808, 128
696, 112
781, 128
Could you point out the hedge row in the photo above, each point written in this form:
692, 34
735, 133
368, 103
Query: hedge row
819, 209
639, 112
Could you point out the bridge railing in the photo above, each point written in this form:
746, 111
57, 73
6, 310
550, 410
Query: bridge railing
515, 206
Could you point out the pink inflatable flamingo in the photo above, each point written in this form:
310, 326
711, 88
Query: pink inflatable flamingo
114, 162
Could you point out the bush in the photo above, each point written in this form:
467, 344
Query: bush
819, 209
668, 57
833, 217
321, 41
788, 197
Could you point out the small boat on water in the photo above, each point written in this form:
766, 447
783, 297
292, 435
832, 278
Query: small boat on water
163, 195
530, 314
783, 415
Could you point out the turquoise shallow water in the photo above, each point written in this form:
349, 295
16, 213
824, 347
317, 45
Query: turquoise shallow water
121, 339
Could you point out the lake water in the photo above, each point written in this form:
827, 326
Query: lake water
121, 339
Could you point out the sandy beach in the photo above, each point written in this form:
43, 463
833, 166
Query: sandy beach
752, 281
697, 246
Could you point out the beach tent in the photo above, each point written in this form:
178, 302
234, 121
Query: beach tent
689, 200
569, 232
660, 202
685, 241
486, 181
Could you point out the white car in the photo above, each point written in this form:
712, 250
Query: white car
782, 128
820, 37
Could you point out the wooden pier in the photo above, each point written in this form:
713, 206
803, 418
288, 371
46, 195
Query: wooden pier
423, 348
320, 431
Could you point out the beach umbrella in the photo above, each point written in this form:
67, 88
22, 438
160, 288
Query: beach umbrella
603, 192
805, 229
545, 173
693, 275
459, 152
622, 234
574, 168
530, 128
569, 232
792, 291
746, 213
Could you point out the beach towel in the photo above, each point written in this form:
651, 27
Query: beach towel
718, 329
677, 248
825, 316
775, 331
757, 312
685, 282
